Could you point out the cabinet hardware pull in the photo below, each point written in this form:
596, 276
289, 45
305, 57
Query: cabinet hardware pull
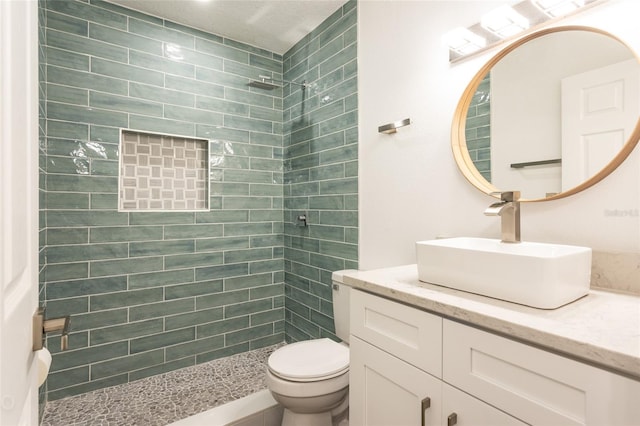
452, 419
426, 403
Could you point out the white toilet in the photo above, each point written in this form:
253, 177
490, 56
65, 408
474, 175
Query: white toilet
310, 379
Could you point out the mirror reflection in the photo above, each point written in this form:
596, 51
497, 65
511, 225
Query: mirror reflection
553, 112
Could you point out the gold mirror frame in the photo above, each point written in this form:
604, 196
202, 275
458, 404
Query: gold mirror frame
459, 141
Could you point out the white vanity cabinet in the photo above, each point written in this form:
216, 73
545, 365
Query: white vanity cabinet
393, 347
396, 368
461, 409
536, 386
410, 367
385, 390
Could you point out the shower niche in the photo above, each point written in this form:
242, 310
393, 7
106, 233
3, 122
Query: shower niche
161, 172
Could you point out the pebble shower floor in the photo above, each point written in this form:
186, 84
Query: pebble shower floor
165, 398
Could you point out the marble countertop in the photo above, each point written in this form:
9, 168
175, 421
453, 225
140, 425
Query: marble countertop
602, 328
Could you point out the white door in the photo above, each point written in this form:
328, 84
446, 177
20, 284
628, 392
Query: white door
600, 109
383, 390
18, 210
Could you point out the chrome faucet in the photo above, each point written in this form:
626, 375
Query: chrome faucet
509, 211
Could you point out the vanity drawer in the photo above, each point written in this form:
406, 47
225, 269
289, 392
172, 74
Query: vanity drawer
534, 385
410, 334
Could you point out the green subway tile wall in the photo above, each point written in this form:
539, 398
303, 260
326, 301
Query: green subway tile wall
152, 292
478, 128
320, 178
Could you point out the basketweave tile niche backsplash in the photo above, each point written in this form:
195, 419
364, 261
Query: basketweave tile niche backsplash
162, 172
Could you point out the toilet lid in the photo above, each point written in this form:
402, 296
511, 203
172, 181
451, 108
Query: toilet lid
308, 360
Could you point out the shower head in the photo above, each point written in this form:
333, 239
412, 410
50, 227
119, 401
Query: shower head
262, 84
266, 83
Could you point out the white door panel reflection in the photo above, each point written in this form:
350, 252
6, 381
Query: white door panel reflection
600, 109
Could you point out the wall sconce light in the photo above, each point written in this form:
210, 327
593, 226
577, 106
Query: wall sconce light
556, 8
464, 41
504, 22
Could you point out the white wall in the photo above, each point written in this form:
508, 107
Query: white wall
410, 188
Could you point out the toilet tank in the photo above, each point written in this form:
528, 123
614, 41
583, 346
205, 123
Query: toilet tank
341, 296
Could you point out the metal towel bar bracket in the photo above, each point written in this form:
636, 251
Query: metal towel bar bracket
393, 127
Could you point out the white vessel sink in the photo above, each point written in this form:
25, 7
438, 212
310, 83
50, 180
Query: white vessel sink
539, 275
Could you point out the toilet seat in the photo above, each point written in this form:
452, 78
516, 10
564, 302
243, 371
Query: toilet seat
309, 361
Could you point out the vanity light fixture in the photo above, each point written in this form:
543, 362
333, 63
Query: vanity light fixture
556, 8
504, 22
463, 41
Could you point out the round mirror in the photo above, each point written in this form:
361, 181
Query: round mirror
550, 115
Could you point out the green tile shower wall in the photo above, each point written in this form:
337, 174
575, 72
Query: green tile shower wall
152, 292
321, 171
478, 128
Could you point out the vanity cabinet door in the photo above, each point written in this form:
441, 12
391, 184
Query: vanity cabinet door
383, 390
460, 409
412, 335
534, 385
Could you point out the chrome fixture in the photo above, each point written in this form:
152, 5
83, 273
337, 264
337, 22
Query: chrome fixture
393, 127
301, 220
42, 327
508, 208
267, 83
263, 85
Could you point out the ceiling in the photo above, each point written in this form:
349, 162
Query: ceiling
274, 25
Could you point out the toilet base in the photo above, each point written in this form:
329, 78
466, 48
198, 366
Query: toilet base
339, 412
289, 418
339, 416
